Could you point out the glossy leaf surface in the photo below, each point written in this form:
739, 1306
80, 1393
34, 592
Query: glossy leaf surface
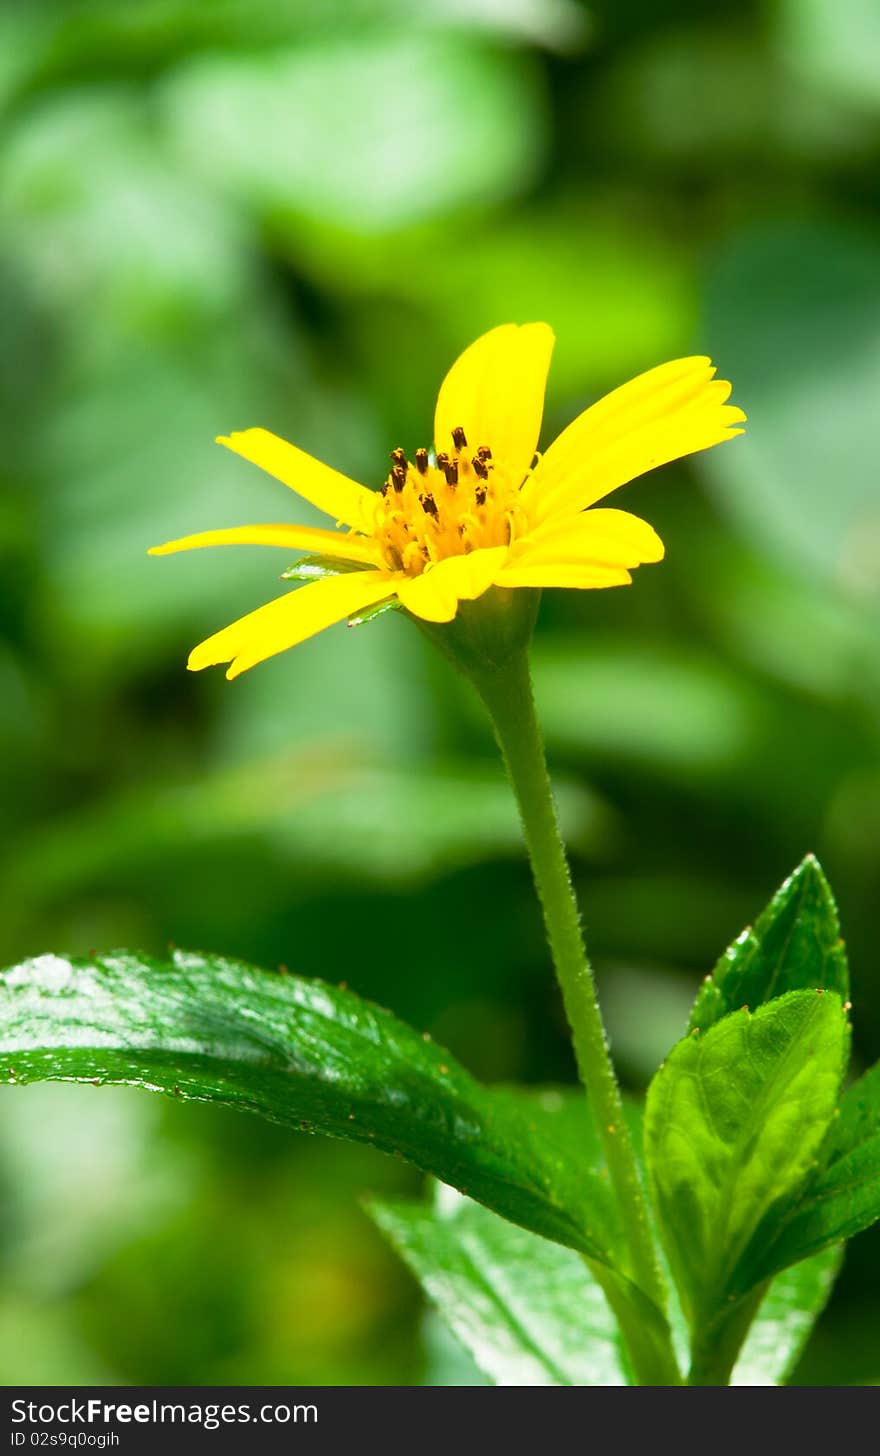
311, 1056
794, 945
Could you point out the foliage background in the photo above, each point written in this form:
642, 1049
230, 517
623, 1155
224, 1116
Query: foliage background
295, 213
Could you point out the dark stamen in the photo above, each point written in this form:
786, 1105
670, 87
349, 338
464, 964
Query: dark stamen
480, 467
386, 487
398, 478
480, 495
399, 457
451, 472
459, 438
484, 452
429, 505
442, 461
421, 461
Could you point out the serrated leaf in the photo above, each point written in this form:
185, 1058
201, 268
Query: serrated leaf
794, 945
308, 1055
843, 1197
527, 1310
785, 1318
733, 1124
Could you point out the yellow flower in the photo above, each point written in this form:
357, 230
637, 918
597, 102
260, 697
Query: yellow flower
483, 510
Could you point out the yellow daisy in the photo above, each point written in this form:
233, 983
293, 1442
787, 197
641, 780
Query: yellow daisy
483, 509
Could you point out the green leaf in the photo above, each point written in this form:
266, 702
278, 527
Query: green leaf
794, 946
844, 1195
528, 1311
311, 1056
785, 1318
768, 1333
734, 1121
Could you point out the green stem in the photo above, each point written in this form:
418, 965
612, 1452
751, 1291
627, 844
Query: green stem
715, 1350
506, 691
643, 1328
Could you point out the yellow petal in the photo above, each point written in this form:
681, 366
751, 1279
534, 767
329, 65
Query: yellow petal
341, 498
435, 594
663, 415
495, 392
579, 577
602, 536
294, 538
288, 620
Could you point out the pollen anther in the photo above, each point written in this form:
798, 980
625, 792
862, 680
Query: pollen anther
422, 515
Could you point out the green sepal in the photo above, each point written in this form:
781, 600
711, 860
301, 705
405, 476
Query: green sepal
487, 634
315, 568
370, 614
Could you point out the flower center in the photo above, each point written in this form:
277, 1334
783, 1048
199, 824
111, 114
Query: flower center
434, 507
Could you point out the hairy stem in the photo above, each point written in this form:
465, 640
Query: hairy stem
507, 692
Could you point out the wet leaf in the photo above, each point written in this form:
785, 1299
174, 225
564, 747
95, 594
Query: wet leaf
310, 1056
795, 945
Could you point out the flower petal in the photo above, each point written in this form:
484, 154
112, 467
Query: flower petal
579, 577
602, 536
294, 538
669, 412
495, 392
435, 595
341, 498
291, 618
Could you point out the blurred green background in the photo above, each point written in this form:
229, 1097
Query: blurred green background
295, 213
